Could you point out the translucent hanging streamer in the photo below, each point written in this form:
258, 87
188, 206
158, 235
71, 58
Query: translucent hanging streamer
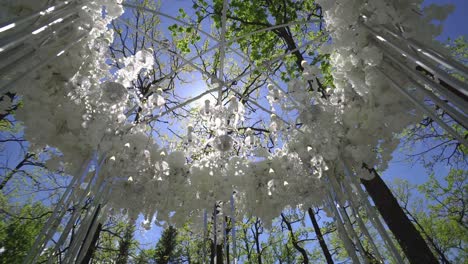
388, 43
428, 65
71, 222
459, 86
215, 216
34, 55
44, 29
419, 82
424, 108
355, 211
80, 234
85, 241
333, 187
430, 53
205, 233
89, 235
86, 224
79, 202
372, 214
233, 229
23, 53
23, 56
22, 29
62, 206
16, 54
80, 241
63, 211
31, 69
222, 50
17, 23
226, 246
342, 231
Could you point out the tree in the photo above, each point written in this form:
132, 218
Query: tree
126, 244
10, 104
410, 240
450, 199
190, 245
295, 243
165, 251
144, 256
28, 160
116, 242
437, 147
320, 238
18, 229
459, 50
92, 247
441, 216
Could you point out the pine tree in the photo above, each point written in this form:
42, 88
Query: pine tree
125, 244
166, 246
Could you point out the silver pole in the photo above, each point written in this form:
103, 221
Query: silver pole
61, 205
13, 24
348, 245
233, 229
415, 77
334, 188
355, 211
423, 108
39, 65
42, 29
430, 53
373, 215
455, 83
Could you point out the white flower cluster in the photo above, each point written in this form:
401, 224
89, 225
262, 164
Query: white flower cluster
66, 106
132, 65
222, 120
372, 111
75, 105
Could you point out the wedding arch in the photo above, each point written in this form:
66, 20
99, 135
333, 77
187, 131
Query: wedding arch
317, 144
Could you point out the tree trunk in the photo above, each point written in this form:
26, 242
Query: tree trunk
442, 82
216, 253
431, 241
228, 259
228, 230
15, 170
212, 252
294, 240
410, 240
92, 248
285, 34
319, 234
247, 246
219, 254
125, 244
257, 241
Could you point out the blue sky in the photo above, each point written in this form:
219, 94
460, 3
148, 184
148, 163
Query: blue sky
457, 23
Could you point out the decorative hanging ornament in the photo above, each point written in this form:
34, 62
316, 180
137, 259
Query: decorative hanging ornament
113, 93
